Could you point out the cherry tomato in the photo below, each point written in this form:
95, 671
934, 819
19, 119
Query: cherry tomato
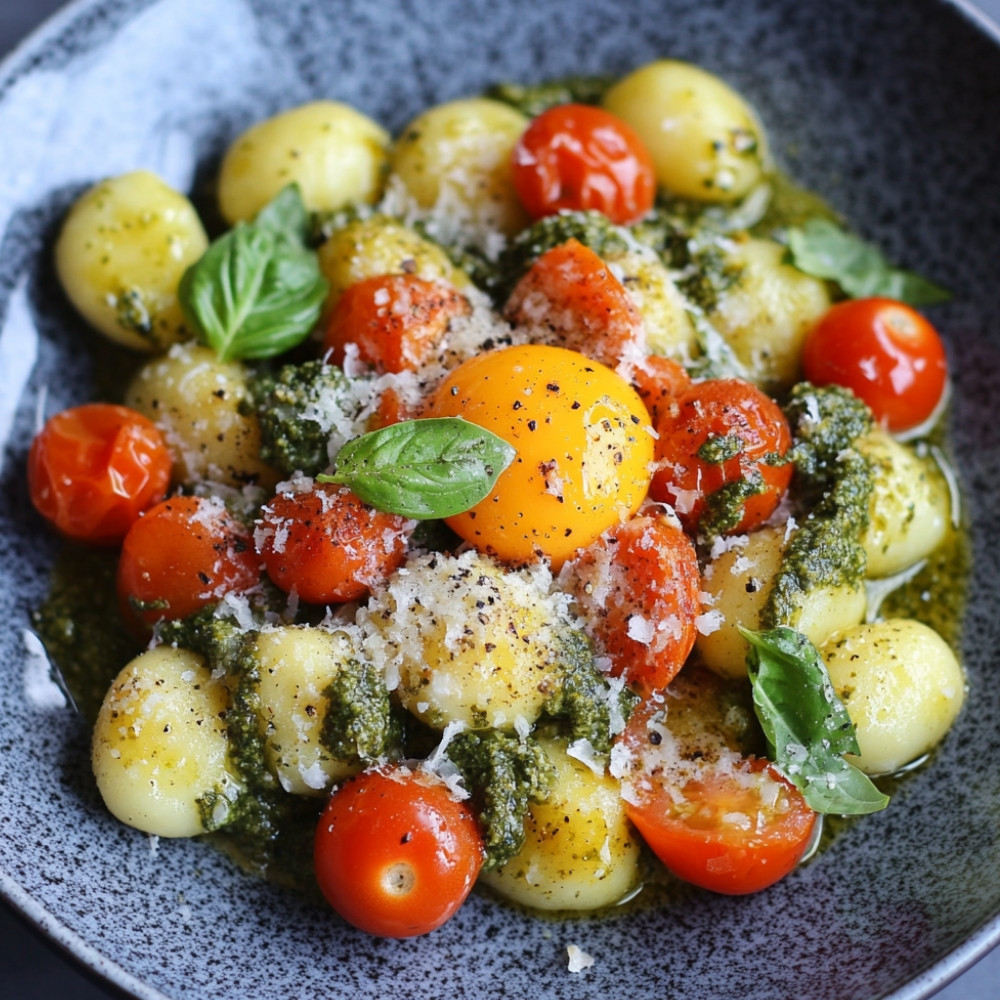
724, 436
569, 298
886, 353
638, 589
395, 854
659, 381
182, 555
715, 818
580, 158
93, 469
327, 545
394, 320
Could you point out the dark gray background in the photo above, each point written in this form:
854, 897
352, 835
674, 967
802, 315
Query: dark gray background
32, 970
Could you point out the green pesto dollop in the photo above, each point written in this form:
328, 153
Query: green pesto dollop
287, 403
833, 483
362, 722
503, 773
582, 700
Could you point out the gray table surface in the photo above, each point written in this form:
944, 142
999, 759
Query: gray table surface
32, 970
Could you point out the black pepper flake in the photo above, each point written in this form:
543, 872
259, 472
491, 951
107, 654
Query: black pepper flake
532, 425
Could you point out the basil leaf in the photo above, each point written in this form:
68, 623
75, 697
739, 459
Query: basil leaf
422, 469
258, 290
824, 250
806, 727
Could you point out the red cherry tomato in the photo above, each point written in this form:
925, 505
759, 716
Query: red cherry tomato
660, 381
638, 589
886, 353
395, 854
570, 298
577, 157
719, 820
722, 435
180, 556
94, 468
327, 545
394, 320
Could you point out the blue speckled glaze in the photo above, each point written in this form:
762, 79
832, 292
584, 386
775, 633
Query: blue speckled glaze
887, 108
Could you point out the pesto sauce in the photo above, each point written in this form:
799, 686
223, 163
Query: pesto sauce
833, 484
80, 626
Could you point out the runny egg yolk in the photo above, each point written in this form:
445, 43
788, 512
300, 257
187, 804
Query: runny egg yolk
584, 449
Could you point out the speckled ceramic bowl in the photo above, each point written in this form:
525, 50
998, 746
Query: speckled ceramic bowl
888, 108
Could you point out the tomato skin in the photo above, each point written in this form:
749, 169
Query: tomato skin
734, 827
577, 157
395, 855
886, 353
722, 409
327, 545
570, 298
638, 587
394, 320
180, 556
93, 469
660, 381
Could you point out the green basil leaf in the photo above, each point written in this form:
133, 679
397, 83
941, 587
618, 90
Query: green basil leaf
286, 215
806, 727
422, 469
824, 250
258, 290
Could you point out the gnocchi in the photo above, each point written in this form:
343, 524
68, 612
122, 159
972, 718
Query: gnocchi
161, 747
335, 154
705, 139
901, 685
581, 852
454, 161
295, 665
195, 400
120, 256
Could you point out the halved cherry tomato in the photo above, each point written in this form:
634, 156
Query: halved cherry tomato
715, 818
327, 545
182, 555
721, 449
395, 854
886, 353
577, 157
93, 469
638, 589
394, 320
660, 381
570, 298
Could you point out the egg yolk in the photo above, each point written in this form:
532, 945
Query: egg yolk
584, 449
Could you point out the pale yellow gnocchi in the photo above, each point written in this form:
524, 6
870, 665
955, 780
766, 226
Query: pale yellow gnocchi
296, 665
580, 852
736, 585
910, 507
466, 640
766, 312
454, 160
161, 751
902, 686
334, 153
377, 245
705, 139
195, 400
120, 256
